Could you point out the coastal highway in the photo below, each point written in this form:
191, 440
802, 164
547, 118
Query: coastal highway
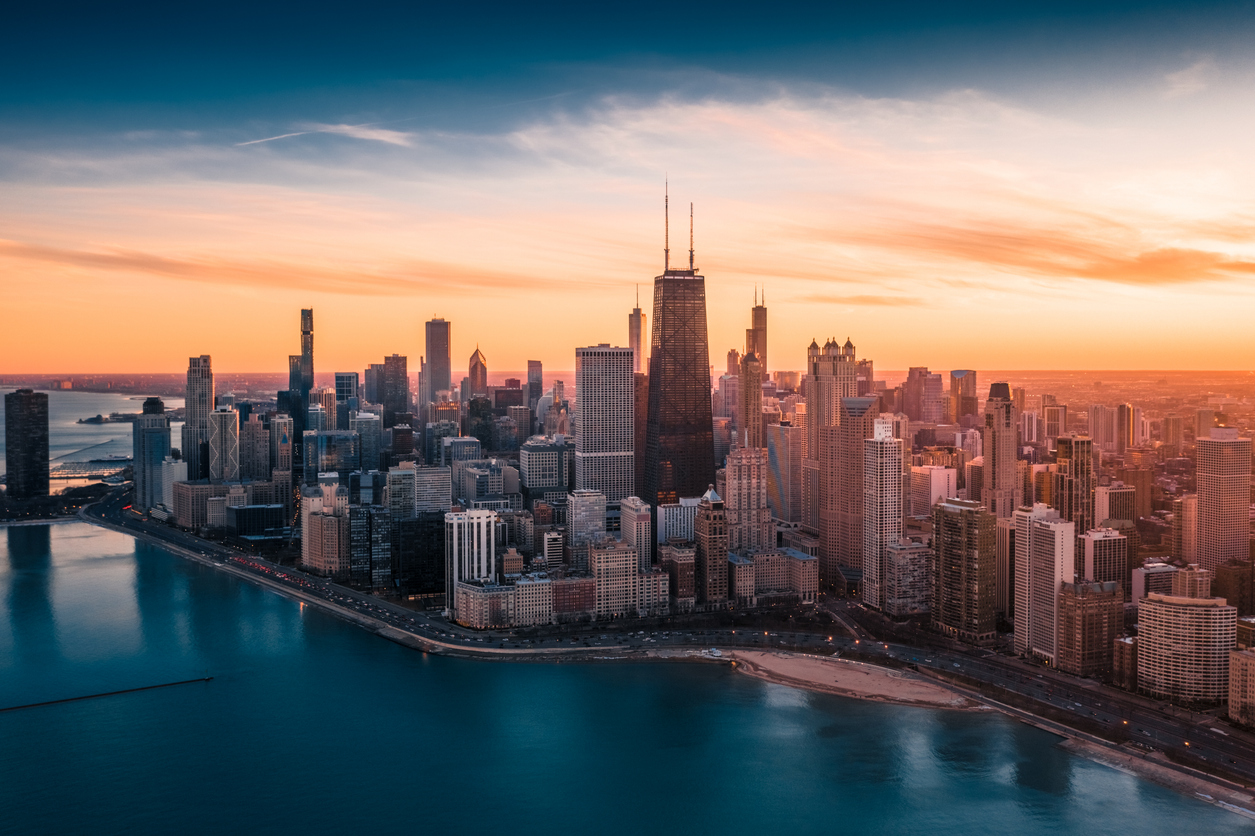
1148, 724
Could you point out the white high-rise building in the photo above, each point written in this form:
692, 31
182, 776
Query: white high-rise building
172, 470
1002, 489
198, 403
224, 445
882, 508
1224, 497
605, 387
1045, 556
931, 484
636, 530
470, 551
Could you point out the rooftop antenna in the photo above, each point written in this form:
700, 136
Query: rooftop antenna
666, 221
638, 294
691, 267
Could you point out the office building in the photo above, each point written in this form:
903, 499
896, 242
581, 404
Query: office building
198, 403
1116, 501
679, 444
433, 489
636, 332
615, 569
831, 376
150, 445
26, 444
882, 508
325, 531
477, 374
254, 450
1002, 489
535, 384
369, 429
710, 573
330, 451
636, 530
1223, 475
963, 576
395, 386
346, 386
1105, 557
756, 334
841, 488
1183, 647
744, 493
604, 445
963, 400
675, 521
1185, 528
906, 578
586, 524
1045, 557
281, 429
439, 360
750, 415
930, 484
784, 471
1073, 489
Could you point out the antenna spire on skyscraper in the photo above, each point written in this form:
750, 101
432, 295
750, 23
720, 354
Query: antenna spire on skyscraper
666, 224
691, 267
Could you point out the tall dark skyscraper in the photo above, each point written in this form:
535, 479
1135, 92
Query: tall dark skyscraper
396, 388
301, 366
439, 340
756, 334
198, 403
679, 445
26, 443
535, 383
150, 446
477, 372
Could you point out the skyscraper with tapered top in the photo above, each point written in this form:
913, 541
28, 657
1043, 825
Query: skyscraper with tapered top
199, 402
679, 441
636, 328
756, 334
477, 372
1002, 490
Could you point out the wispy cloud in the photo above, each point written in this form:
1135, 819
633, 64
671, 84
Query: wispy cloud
863, 300
1192, 79
367, 132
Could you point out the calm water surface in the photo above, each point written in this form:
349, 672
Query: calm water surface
313, 726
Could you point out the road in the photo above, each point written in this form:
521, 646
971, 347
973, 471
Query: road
1148, 724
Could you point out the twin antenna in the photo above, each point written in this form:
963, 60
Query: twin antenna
666, 214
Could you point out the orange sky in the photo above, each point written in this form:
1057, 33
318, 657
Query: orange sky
958, 231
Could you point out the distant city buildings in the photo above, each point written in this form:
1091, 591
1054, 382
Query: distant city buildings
26, 444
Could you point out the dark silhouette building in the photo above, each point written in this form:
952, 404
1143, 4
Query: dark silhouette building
679, 444
26, 443
396, 388
439, 335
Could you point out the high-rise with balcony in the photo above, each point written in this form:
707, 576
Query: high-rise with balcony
604, 445
679, 441
198, 403
963, 571
841, 488
1223, 475
744, 492
882, 508
1045, 556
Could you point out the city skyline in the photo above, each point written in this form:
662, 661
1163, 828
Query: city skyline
865, 194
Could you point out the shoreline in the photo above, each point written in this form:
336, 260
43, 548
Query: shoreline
776, 667
48, 521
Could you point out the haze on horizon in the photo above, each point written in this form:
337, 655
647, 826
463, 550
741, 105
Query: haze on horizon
995, 187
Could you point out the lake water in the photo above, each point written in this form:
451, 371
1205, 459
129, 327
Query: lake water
311, 725
69, 441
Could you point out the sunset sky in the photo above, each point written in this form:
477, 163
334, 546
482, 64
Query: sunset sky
1005, 186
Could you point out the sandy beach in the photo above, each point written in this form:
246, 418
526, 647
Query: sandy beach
848, 679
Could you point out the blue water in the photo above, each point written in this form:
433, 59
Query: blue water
314, 726
70, 441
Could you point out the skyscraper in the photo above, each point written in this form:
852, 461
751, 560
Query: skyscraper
150, 436
346, 386
224, 445
1224, 477
254, 450
745, 501
756, 334
535, 385
841, 488
1045, 555
199, 402
1002, 489
636, 328
636, 528
831, 375
1073, 490
396, 388
963, 401
477, 373
26, 443
307, 350
784, 471
439, 360
882, 508
470, 551
604, 459
710, 531
963, 575
750, 431
679, 443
